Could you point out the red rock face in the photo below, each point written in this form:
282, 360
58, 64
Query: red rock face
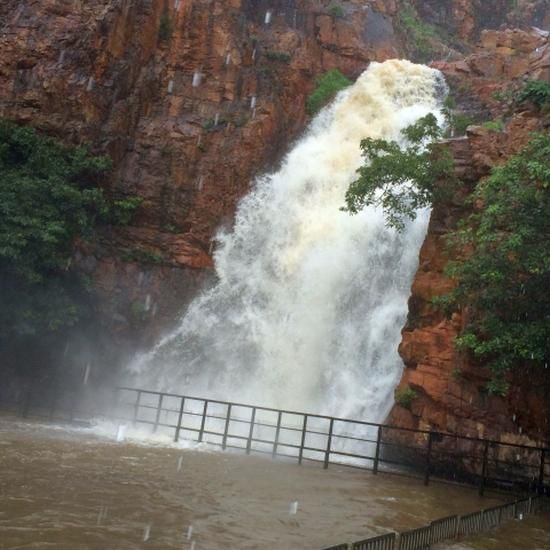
451, 390
467, 18
189, 114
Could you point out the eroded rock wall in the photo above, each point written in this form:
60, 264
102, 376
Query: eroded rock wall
191, 98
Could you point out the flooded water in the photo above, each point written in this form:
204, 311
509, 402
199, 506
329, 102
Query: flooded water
70, 489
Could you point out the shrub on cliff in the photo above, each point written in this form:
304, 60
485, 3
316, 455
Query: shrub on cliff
535, 91
328, 85
401, 180
503, 285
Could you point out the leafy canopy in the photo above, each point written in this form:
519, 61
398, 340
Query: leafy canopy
536, 91
49, 196
401, 179
504, 284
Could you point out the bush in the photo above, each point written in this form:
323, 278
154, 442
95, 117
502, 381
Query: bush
336, 11
328, 85
165, 27
494, 125
535, 91
141, 256
404, 397
275, 55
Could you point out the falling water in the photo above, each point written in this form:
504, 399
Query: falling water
309, 302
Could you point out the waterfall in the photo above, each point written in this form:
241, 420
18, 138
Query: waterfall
309, 302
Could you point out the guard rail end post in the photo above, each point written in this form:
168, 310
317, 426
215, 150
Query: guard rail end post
484, 469
377, 451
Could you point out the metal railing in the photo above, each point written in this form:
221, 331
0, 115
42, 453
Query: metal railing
449, 528
301, 436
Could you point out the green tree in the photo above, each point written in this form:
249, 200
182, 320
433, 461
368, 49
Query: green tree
50, 195
402, 178
503, 284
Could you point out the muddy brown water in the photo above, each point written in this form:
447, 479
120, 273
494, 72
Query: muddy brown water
71, 489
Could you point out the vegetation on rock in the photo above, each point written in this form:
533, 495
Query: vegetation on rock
503, 285
535, 91
424, 39
328, 85
276, 55
399, 179
165, 27
50, 195
404, 397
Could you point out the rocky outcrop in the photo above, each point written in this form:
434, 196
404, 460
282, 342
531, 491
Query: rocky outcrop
451, 389
191, 98
467, 18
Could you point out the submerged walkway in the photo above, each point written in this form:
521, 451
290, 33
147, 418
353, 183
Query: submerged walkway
74, 489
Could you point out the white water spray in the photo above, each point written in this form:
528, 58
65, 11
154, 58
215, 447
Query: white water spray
310, 301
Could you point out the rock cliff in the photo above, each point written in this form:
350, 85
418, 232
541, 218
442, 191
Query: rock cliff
191, 99
451, 390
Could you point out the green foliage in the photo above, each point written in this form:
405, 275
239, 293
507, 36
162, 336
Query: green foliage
49, 196
401, 180
535, 91
240, 120
460, 123
121, 211
423, 38
141, 256
336, 11
328, 85
165, 27
276, 55
494, 125
210, 123
457, 122
404, 397
503, 96
503, 285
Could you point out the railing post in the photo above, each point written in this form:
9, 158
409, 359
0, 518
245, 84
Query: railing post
180, 416
226, 429
484, 469
203, 421
116, 402
53, 403
377, 451
303, 442
159, 408
428, 459
251, 431
136, 407
329, 442
277, 432
28, 400
76, 394
541, 470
